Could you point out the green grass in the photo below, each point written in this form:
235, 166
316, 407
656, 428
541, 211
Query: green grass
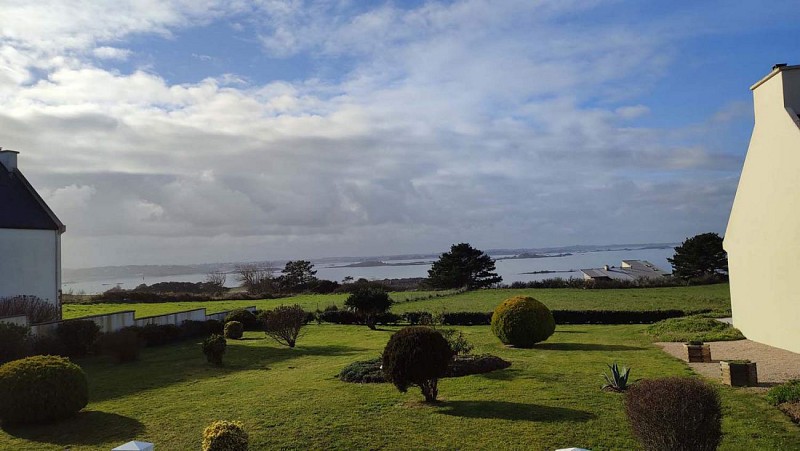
289, 398
693, 328
714, 297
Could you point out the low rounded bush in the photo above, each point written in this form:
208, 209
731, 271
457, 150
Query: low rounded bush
363, 371
788, 392
417, 355
40, 389
15, 342
522, 321
77, 336
214, 348
225, 436
123, 345
465, 365
674, 413
246, 317
234, 330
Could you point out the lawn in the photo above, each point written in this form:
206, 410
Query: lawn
289, 398
714, 297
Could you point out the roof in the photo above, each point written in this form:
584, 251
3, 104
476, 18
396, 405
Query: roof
21, 207
630, 270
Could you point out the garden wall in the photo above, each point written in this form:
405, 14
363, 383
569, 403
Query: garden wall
112, 322
16, 320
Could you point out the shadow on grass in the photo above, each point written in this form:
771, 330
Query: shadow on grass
85, 428
185, 363
510, 374
586, 347
513, 411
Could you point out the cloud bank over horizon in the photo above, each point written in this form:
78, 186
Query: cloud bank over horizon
186, 132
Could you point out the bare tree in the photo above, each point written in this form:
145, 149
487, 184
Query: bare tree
216, 279
284, 323
37, 310
256, 278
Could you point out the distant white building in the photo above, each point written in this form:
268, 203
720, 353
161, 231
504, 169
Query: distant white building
30, 237
629, 270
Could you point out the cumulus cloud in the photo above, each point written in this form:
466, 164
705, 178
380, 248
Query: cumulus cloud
469, 120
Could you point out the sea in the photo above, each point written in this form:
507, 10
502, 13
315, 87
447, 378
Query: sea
511, 269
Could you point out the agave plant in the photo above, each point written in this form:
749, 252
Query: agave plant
618, 380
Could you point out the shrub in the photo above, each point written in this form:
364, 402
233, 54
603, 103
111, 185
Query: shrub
49, 345
234, 330
417, 355
415, 318
368, 303
674, 413
194, 329
214, 326
37, 310
284, 323
15, 342
159, 335
522, 321
214, 348
364, 371
464, 365
40, 389
788, 392
693, 328
457, 341
246, 317
466, 318
77, 336
338, 317
225, 436
124, 345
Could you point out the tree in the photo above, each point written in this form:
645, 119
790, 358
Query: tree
464, 266
255, 278
216, 281
284, 323
699, 256
297, 275
368, 303
417, 355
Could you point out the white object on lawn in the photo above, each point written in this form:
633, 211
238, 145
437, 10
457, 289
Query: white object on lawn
135, 446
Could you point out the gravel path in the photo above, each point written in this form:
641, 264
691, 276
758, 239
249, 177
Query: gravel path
774, 365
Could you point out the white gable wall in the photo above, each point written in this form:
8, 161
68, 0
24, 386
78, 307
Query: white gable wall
763, 235
30, 263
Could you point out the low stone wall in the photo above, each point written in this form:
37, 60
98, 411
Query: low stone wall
16, 320
112, 322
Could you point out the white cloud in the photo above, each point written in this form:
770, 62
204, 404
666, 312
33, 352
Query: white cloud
111, 53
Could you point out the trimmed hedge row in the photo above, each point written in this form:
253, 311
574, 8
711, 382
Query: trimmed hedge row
485, 318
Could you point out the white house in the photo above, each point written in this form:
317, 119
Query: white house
630, 270
763, 236
30, 237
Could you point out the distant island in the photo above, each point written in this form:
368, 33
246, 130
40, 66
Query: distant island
375, 263
533, 255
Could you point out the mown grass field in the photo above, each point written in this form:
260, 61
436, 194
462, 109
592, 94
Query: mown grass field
714, 297
289, 398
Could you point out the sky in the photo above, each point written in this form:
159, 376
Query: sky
189, 131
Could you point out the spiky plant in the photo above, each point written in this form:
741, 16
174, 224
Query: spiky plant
618, 379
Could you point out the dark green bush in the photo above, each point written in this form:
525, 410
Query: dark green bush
225, 436
159, 335
415, 318
124, 345
234, 330
214, 348
15, 342
368, 303
246, 317
39, 389
465, 365
49, 345
364, 371
214, 326
338, 317
675, 413
788, 392
418, 356
77, 336
522, 321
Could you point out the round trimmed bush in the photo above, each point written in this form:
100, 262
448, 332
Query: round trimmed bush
522, 321
225, 436
675, 413
214, 348
418, 356
246, 317
40, 389
234, 330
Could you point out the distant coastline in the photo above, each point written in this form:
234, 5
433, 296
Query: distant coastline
376, 263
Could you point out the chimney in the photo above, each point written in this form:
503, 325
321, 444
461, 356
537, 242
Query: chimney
8, 158
777, 92
605, 267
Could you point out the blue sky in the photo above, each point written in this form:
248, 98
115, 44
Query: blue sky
223, 130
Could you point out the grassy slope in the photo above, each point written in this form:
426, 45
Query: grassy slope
548, 399
716, 297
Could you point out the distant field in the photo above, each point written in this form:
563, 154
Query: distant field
714, 297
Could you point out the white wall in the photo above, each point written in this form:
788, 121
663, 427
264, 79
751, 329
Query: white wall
763, 236
30, 263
